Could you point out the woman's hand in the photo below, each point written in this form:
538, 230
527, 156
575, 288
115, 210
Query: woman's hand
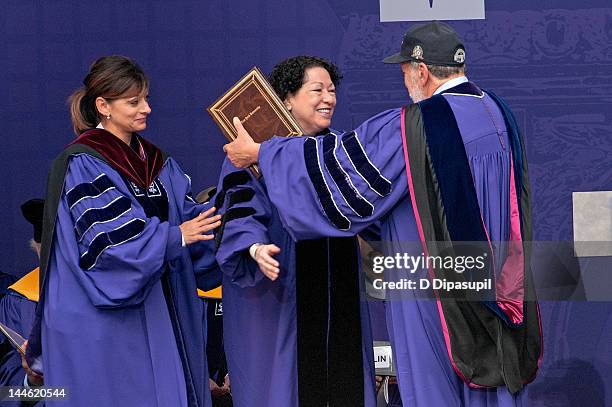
193, 229
226, 384
263, 256
215, 390
378, 382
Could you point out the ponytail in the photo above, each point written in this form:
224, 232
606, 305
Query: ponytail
83, 112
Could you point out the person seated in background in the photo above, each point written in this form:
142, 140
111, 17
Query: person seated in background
296, 332
6, 280
17, 308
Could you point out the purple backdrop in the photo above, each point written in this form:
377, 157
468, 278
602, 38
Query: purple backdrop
551, 60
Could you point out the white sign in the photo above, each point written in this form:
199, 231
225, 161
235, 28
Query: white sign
592, 223
382, 357
427, 10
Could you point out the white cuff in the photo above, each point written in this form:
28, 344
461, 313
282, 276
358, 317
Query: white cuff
183, 240
25, 382
253, 249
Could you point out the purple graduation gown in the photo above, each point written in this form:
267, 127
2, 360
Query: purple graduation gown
260, 322
332, 182
107, 328
17, 313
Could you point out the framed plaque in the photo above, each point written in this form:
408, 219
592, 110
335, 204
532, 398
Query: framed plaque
255, 103
253, 100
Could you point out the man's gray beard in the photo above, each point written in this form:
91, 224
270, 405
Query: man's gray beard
418, 93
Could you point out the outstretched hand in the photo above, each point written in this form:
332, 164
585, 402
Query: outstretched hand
268, 266
193, 230
243, 151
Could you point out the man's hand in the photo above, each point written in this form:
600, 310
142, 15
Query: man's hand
243, 151
193, 229
34, 379
263, 256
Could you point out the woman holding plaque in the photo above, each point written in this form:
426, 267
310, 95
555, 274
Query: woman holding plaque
296, 332
120, 319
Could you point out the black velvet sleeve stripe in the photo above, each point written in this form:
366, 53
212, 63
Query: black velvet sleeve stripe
105, 240
231, 180
89, 189
241, 195
323, 193
100, 215
358, 203
234, 179
230, 215
237, 213
220, 199
364, 167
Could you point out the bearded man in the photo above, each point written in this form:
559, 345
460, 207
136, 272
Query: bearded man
449, 168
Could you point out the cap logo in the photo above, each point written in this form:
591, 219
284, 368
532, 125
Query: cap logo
459, 56
417, 52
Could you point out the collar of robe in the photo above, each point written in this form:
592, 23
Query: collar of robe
465, 88
141, 171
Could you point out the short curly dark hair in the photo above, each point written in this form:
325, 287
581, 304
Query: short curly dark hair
288, 76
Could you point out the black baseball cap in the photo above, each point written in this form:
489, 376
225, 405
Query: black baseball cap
434, 43
32, 210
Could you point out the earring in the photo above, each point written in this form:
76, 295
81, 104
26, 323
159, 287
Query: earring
108, 117
289, 107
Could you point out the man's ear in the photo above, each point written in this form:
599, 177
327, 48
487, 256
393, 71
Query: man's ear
423, 73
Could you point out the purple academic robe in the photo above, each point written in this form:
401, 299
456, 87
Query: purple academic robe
110, 334
334, 179
259, 315
17, 313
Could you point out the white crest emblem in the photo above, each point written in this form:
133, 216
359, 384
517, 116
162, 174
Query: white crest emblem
417, 52
459, 56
